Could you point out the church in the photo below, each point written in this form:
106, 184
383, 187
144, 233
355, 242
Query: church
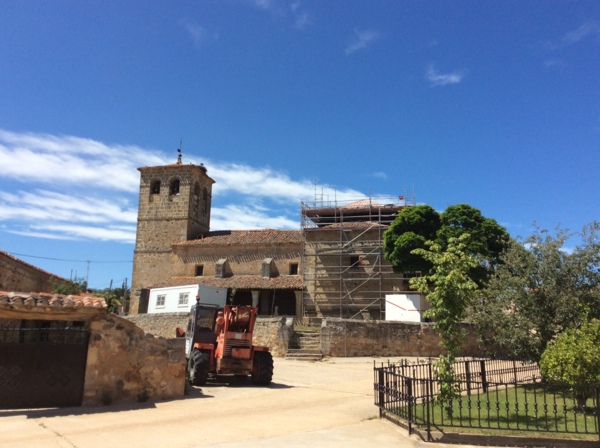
333, 266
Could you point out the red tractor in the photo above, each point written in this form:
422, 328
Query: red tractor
219, 342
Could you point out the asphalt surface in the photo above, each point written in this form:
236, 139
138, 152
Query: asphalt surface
309, 404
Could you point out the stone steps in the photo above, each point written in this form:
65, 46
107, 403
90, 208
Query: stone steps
300, 354
306, 346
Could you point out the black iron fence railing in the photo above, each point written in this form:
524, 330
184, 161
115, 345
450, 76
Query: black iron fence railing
62, 335
491, 394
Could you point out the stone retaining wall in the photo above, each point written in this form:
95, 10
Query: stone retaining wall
126, 364
272, 332
160, 324
339, 337
348, 338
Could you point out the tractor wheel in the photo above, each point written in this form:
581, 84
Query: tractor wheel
198, 366
262, 368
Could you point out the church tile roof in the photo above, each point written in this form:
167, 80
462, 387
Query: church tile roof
246, 237
237, 282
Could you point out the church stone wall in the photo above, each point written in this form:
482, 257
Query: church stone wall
241, 260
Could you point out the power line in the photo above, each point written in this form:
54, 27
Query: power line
73, 261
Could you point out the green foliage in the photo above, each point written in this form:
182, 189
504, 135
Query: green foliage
574, 357
487, 239
538, 291
69, 287
412, 227
450, 291
114, 297
416, 225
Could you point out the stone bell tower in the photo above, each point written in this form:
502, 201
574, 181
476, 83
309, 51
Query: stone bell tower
174, 206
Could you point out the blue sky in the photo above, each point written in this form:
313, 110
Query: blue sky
491, 103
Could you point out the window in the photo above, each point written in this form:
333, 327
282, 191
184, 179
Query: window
293, 268
205, 200
354, 261
155, 187
174, 188
196, 198
199, 270
183, 298
160, 301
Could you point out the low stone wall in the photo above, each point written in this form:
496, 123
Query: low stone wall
160, 324
273, 332
125, 364
348, 338
339, 337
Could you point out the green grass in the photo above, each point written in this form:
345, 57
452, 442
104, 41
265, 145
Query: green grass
513, 411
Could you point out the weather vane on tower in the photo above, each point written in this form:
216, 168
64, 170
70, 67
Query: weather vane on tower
179, 152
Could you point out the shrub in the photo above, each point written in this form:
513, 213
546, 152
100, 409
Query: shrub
574, 359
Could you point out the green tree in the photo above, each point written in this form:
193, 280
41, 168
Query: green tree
114, 297
415, 225
487, 241
67, 287
450, 291
409, 231
574, 359
539, 290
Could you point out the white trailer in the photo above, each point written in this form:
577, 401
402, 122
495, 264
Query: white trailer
174, 299
405, 307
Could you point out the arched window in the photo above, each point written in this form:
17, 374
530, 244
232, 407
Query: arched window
155, 187
196, 203
205, 200
174, 188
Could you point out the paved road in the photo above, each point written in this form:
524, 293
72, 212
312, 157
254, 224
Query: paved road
322, 404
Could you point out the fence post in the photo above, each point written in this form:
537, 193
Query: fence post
410, 404
468, 377
597, 390
381, 391
483, 377
515, 371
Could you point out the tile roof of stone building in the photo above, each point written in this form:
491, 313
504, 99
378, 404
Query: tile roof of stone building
237, 281
246, 237
52, 300
363, 203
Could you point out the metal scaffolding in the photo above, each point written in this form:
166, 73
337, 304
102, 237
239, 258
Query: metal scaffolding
345, 274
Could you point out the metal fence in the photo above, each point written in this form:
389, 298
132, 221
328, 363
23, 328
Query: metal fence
46, 335
493, 395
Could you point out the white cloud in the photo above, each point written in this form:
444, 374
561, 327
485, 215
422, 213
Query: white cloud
549, 63
443, 79
248, 218
199, 34
380, 175
302, 18
68, 160
590, 29
263, 4
72, 188
361, 40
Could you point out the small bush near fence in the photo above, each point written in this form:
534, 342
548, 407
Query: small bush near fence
494, 395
